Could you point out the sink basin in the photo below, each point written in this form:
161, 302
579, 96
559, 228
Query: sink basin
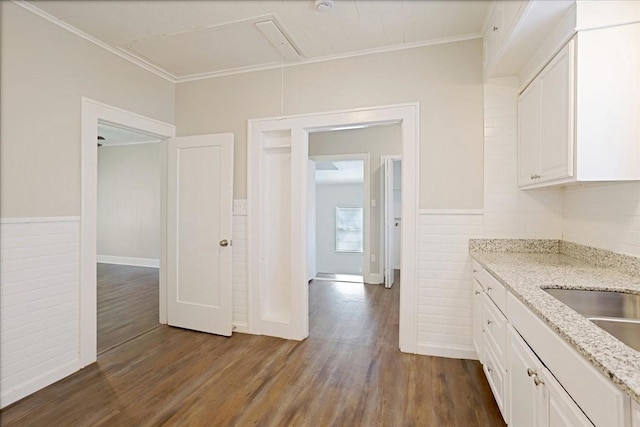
616, 312
599, 303
626, 331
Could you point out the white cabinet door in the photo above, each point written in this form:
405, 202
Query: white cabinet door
525, 398
562, 411
200, 188
546, 119
529, 131
557, 116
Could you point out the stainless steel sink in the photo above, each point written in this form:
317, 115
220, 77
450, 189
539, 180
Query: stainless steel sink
627, 331
616, 312
599, 303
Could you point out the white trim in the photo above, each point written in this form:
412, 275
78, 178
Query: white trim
26, 220
13, 395
167, 75
374, 51
408, 115
366, 205
94, 112
382, 261
123, 260
241, 328
451, 211
373, 279
158, 71
120, 144
450, 352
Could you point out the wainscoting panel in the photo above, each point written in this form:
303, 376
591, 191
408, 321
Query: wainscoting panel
39, 303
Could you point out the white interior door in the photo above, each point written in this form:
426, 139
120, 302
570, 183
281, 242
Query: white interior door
199, 198
311, 221
388, 222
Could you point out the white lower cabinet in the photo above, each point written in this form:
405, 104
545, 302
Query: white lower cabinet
525, 396
536, 398
536, 377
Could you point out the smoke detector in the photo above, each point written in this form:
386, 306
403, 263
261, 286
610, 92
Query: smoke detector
324, 5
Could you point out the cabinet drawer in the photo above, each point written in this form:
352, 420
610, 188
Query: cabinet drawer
494, 325
496, 376
496, 290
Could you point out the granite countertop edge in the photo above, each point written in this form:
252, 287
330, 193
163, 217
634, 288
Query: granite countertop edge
526, 272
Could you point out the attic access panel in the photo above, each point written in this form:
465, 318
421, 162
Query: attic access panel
223, 47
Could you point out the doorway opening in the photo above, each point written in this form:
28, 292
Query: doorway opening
128, 234
277, 196
338, 233
95, 114
391, 232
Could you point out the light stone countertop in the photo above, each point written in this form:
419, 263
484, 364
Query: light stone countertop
526, 273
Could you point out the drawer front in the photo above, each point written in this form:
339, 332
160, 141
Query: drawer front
494, 325
496, 377
478, 302
496, 290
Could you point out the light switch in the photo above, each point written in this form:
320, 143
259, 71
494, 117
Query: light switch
373, 203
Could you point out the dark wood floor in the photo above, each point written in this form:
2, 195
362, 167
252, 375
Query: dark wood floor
127, 303
349, 372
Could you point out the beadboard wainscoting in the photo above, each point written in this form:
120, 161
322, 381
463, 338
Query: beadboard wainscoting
444, 282
240, 275
39, 303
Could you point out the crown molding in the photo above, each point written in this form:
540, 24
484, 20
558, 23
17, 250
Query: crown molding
327, 58
161, 72
121, 53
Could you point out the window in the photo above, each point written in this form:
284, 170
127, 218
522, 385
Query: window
348, 229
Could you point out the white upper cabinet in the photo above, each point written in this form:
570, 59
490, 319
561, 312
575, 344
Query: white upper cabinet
545, 123
579, 119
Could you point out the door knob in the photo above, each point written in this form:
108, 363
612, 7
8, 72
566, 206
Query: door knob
224, 243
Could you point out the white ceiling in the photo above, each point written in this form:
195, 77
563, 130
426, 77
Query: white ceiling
341, 172
188, 39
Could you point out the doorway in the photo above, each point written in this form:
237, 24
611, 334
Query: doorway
277, 189
95, 113
128, 234
340, 227
391, 232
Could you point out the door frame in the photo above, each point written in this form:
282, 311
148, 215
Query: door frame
408, 116
94, 112
366, 204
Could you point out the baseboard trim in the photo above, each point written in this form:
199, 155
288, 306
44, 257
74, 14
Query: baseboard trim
31, 386
121, 260
373, 279
241, 328
449, 352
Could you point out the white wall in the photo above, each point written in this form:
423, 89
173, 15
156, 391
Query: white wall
377, 141
129, 185
328, 197
44, 72
446, 79
606, 216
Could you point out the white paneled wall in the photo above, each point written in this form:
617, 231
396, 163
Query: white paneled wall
240, 309
39, 307
606, 216
508, 211
444, 283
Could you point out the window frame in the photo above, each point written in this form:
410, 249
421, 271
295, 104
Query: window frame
337, 230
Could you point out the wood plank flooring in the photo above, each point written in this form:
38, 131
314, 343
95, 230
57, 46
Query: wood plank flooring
349, 372
127, 303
